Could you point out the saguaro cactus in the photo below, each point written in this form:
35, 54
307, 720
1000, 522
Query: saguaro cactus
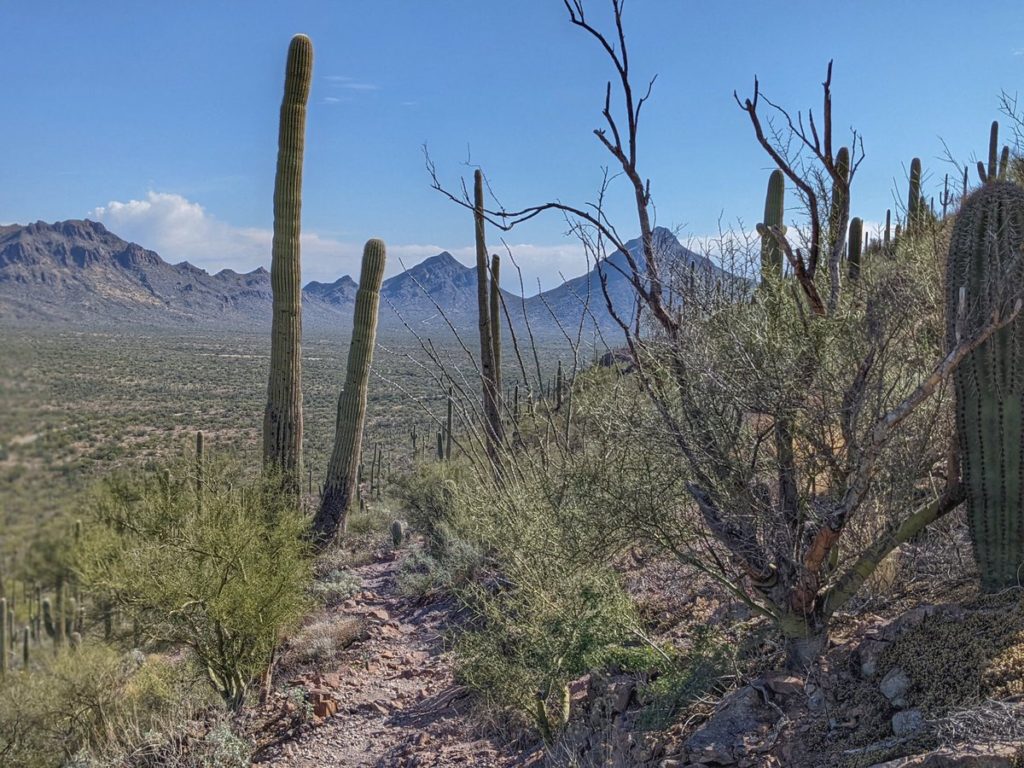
282, 420
774, 215
854, 247
986, 265
494, 316
3, 636
484, 301
840, 199
915, 204
448, 424
348, 439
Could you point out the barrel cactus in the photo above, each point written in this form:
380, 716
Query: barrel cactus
986, 268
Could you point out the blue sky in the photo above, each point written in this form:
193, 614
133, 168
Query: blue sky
160, 118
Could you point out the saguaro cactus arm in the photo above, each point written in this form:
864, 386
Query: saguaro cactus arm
343, 469
282, 420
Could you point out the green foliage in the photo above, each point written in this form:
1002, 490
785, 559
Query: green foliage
694, 675
529, 560
537, 635
223, 579
93, 706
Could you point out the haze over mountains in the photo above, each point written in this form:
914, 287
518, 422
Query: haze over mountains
78, 272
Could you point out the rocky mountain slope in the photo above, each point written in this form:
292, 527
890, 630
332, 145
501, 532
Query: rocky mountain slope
79, 272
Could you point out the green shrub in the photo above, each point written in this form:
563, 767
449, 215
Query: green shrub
222, 575
91, 705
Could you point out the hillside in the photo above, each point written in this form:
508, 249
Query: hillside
78, 272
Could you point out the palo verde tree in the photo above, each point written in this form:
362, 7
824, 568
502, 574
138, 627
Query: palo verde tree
806, 418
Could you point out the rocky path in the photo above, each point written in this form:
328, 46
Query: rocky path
395, 700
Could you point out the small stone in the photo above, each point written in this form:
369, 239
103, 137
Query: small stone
621, 693
908, 722
783, 684
894, 687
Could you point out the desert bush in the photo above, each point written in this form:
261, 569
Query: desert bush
221, 573
529, 558
92, 706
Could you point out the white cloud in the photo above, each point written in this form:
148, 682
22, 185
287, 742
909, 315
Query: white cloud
350, 83
182, 230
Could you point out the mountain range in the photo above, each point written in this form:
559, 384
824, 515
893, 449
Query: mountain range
78, 272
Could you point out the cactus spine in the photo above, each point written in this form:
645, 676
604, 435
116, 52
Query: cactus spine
282, 420
342, 471
854, 248
986, 263
774, 214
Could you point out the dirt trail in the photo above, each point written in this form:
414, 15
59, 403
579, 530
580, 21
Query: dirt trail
398, 706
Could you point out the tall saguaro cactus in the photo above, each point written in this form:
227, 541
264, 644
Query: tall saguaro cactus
484, 301
840, 210
915, 203
494, 312
986, 266
343, 470
854, 247
282, 420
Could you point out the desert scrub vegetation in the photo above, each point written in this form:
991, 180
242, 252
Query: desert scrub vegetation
101, 706
212, 563
532, 557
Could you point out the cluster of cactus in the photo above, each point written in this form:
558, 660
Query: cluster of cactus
282, 420
985, 268
342, 471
